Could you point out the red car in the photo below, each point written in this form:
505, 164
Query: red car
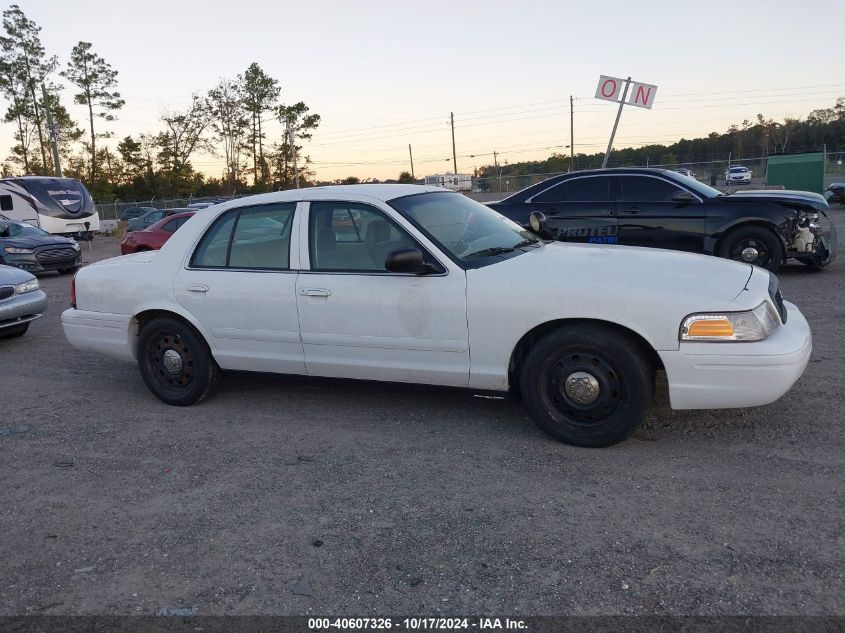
153, 237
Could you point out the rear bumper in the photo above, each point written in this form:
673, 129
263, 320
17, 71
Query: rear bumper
731, 375
22, 308
100, 332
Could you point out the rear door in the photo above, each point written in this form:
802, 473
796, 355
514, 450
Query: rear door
649, 217
240, 284
581, 209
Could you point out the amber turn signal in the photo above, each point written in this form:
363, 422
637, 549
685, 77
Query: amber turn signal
716, 327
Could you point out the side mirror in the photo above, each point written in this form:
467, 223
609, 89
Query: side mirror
406, 260
683, 197
537, 221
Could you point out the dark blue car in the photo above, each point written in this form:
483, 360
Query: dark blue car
29, 248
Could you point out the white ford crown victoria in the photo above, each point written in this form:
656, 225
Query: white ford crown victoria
417, 284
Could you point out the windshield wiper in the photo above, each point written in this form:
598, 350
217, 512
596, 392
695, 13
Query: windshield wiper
497, 250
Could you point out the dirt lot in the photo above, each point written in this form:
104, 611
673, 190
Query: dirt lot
288, 495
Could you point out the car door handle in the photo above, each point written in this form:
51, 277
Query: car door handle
632, 210
315, 292
197, 288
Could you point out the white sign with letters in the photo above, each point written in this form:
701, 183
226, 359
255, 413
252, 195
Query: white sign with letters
641, 95
609, 88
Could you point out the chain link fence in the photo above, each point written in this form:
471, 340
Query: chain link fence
114, 211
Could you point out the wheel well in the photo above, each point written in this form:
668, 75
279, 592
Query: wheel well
142, 318
743, 225
520, 352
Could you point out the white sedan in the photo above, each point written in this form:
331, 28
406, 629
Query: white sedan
416, 284
738, 175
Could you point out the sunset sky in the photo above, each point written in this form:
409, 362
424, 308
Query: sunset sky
386, 74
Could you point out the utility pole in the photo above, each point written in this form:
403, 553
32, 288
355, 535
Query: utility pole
571, 136
54, 133
498, 171
616, 123
454, 156
411, 154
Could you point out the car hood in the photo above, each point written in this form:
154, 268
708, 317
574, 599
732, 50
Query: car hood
815, 200
660, 271
10, 275
35, 241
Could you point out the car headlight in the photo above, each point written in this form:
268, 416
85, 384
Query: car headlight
15, 249
27, 286
753, 325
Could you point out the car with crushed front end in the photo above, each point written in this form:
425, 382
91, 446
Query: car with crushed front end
32, 249
432, 287
664, 209
21, 301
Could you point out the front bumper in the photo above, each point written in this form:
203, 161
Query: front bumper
731, 375
37, 262
22, 308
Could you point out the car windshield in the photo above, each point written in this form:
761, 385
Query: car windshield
467, 229
12, 229
698, 187
739, 169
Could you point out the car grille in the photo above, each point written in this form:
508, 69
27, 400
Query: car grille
49, 255
777, 298
6, 292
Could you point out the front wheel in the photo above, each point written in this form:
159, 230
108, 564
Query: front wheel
753, 245
175, 362
587, 385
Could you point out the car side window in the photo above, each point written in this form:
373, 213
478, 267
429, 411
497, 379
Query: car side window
644, 189
171, 226
255, 238
349, 237
592, 189
5, 203
553, 195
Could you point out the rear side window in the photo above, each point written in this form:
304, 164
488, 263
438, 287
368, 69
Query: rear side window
640, 189
596, 189
593, 189
171, 226
254, 238
5, 203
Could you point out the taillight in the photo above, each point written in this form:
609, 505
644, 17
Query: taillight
73, 292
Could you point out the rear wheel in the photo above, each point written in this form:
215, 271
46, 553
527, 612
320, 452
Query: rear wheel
753, 245
175, 362
14, 332
587, 385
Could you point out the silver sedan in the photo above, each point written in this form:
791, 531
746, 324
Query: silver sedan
21, 301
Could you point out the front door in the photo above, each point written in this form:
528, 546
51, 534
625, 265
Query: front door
581, 209
239, 285
360, 321
649, 217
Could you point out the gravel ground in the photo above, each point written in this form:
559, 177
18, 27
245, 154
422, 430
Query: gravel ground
288, 495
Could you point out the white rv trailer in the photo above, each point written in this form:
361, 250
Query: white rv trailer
61, 206
455, 182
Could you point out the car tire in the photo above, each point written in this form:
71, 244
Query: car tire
14, 332
587, 385
176, 363
767, 245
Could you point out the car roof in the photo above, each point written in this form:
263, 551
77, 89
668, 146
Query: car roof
381, 192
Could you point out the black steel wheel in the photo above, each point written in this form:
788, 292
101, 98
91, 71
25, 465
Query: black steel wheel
587, 385
175, 362
753, 245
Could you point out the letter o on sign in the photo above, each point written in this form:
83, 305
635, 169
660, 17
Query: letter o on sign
609, 88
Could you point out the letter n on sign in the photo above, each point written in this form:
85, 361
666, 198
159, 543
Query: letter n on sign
641, 95
609, 88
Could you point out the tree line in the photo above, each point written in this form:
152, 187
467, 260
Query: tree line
822, 128
227, 121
